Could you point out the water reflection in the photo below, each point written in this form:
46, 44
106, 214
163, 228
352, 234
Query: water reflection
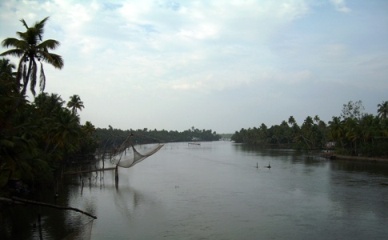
360, 195
22, 221
372, 168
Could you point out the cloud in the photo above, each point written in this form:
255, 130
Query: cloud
335, 50
340, 5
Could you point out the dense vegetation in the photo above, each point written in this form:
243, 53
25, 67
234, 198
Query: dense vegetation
36, 137
351, 133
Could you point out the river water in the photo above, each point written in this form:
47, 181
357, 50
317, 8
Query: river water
223, 190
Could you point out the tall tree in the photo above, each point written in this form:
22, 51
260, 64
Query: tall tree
75, 103
30, 48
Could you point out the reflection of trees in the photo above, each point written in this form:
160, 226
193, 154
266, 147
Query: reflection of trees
57, 223
21, 221
276, 154
360, 167
16, 222
359, 188
127, 199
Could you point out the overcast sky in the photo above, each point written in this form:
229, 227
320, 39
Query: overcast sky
220, 65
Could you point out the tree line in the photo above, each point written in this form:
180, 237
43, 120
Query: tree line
112, 138
352, 133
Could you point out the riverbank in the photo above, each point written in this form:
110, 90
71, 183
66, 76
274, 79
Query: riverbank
360, 158
333, 156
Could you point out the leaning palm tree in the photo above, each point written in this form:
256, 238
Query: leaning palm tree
383, 110
75, 103
29, 48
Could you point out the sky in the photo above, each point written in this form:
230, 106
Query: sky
211, 64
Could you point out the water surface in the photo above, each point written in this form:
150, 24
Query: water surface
215, 191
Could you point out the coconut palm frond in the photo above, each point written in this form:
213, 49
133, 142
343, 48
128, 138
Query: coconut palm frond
48, 44
12, 52
53, 59
24, 23
12, 42
39, 27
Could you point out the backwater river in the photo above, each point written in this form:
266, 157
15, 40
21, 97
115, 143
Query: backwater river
220, 190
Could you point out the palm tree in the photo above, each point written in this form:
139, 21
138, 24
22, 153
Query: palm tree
306, 136
47, 104
291, 120
6, 70
88, 128
7, 78
383, 110
67, 131
336, 129
352, 133
75, 103
9, 96
29, 48
317, 119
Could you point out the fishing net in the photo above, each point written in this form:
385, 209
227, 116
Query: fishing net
130, 156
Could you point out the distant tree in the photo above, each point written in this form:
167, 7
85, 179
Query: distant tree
352, 132
383, 110
336, 129
75, 103
353, 110
306, 134
29, 48
291, 120
89, 128
317, 119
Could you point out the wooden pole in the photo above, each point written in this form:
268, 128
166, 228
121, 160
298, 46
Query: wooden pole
117, 176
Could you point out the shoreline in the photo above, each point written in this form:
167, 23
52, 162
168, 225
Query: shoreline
358, 158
